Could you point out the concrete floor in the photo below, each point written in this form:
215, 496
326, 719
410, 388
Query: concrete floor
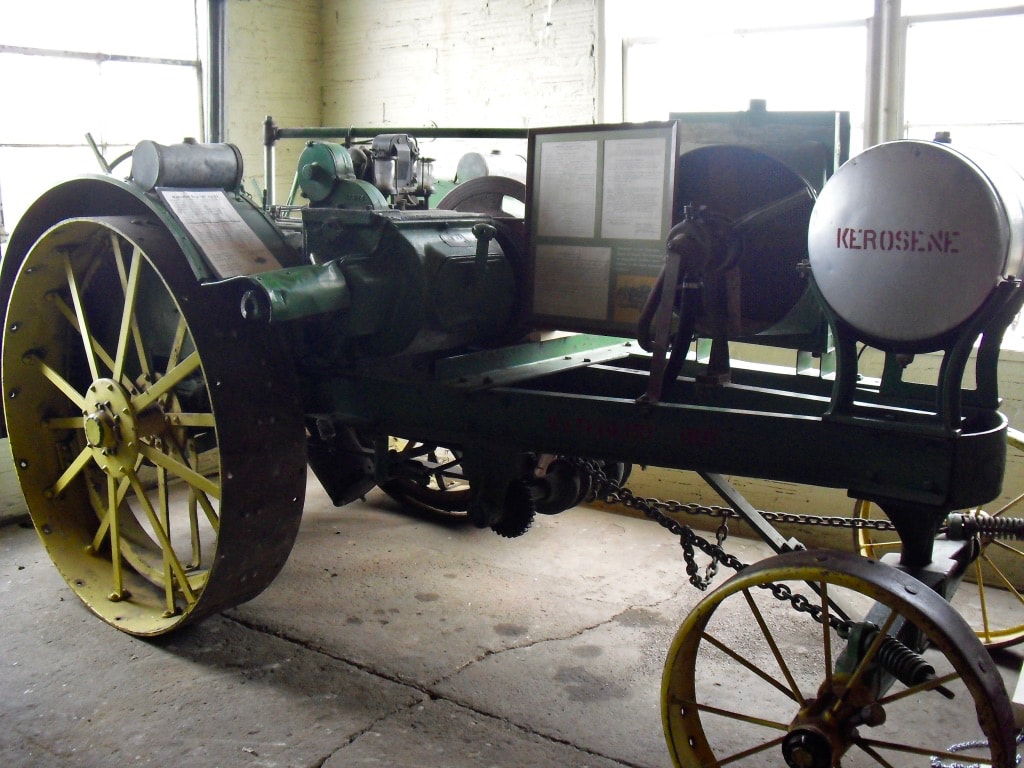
388, 640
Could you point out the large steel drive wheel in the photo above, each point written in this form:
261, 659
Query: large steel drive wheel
751, 680
157, 437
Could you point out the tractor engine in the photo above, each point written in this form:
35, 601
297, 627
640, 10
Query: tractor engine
379, 274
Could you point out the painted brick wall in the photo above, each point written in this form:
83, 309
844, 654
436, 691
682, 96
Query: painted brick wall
476, 63
273, 67
486, 63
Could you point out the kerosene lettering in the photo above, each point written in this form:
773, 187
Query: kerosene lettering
898, 240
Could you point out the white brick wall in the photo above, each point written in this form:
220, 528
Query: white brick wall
480, 63
273, 67
457, 63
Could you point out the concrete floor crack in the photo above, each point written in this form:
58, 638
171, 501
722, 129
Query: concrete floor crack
578, 632
432, 691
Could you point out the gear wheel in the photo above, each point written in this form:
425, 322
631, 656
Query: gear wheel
519, 512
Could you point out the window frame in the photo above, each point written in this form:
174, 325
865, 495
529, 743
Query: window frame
207, 65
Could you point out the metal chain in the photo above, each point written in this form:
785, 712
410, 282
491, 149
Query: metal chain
677, 507
964, 745
608, 491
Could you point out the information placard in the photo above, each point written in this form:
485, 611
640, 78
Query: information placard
230, 246
599, 208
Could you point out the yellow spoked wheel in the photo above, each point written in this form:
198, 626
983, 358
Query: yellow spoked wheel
752, 681
994, 579
430, 477
159, 452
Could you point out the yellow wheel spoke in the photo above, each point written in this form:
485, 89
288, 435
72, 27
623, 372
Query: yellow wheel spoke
752, 751
942, 754
174, 376
884, 545
115, 244
111, 520
1008, 547
83, 323
211, 515
746, 663
191, 419
928, 685
1003, 577
101, 532
165, 513
1008, 506
752, 719
181, 470
72, 319
774, 646
865, 660
756, 750
179, 340
69, 474
61, 383
875, 756
826, 632
170, 558
64, 422
129, 328
193, 530
196, 494
979, 580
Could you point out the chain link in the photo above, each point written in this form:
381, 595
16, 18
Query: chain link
626, 498
608, 491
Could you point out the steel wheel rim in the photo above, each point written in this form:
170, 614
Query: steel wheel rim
694, 725
986, 571
101, 349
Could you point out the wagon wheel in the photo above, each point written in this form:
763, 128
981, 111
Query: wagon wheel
431, 478
989, 579
157, 438
749, 681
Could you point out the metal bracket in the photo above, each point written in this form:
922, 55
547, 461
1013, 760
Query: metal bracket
750, 514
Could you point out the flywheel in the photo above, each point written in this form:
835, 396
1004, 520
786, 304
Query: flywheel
158, 439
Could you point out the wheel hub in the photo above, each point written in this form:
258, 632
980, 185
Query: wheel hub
807, 748
112, 427
825, 727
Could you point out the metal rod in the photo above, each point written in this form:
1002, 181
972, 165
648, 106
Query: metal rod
272, 133
420, 132
750, 514
217, 25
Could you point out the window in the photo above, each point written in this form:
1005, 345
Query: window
795, 55
107, 70
953, 69
944, 62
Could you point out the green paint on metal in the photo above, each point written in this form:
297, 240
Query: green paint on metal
298, 292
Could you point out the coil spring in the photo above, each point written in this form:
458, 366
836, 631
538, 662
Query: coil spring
900, 661
963, 526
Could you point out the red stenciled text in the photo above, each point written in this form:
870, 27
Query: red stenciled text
899, 240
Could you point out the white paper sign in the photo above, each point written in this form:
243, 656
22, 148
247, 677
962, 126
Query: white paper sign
231, 247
